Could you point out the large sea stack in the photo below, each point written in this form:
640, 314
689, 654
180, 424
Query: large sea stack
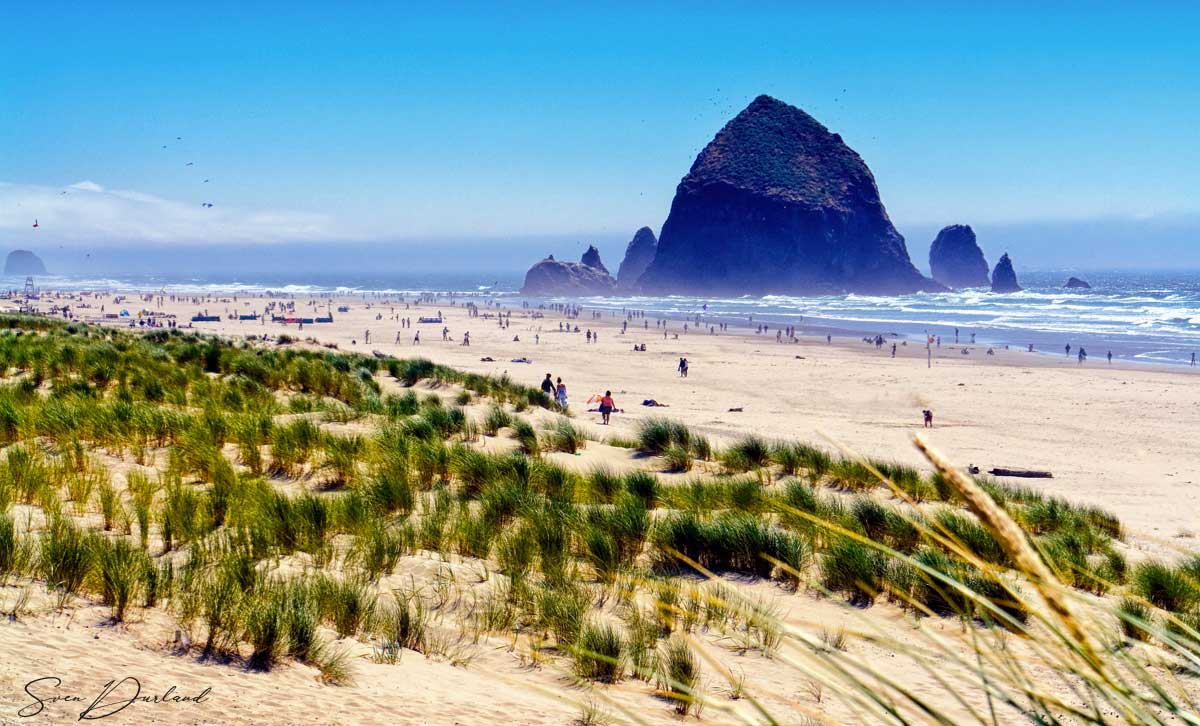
587, 277
776, 203
955, 259
1004, 277
24, 262
639, 253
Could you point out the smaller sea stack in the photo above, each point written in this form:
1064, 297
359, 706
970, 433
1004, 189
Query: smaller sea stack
24, 262
955, 259
586, 277
1075, 282
591, 258
1004, 277
639, 253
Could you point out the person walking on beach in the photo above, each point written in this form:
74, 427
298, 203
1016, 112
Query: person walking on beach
445, 332
1082, 355
466, 338
606, 407
683, 367
548, 386
1110, 357
1193, 360
560, 394
927, 415
1068, 350
893, 350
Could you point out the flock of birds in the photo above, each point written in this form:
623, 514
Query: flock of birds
207, 205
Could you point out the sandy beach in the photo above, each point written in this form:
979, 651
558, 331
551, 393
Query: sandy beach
1114, 437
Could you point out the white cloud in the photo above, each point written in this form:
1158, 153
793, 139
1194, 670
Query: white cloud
89, 214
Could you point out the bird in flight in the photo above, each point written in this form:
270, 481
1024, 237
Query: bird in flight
188, 164
35, 224
205, 181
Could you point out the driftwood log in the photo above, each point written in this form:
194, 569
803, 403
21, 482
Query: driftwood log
1027, 473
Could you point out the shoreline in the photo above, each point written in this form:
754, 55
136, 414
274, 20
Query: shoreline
894, 330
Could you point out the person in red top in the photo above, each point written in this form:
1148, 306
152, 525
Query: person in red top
606, 407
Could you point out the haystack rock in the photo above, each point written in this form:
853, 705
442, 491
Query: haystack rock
1004, 278
1075, 282
777, 203
551, 277
24, 262
639, 253
955, 259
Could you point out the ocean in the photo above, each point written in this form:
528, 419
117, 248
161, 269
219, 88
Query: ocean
1139, 316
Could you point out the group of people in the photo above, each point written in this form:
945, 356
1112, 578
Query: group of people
556, 391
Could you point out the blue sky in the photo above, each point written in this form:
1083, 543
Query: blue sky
370, 122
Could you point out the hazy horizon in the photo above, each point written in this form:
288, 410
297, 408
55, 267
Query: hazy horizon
1164, 244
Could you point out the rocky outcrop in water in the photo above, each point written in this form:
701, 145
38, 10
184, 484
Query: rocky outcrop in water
1004, 277
1075, 282
24, 262
777, 203
955, 259
591, 258
587, 277
639, 253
